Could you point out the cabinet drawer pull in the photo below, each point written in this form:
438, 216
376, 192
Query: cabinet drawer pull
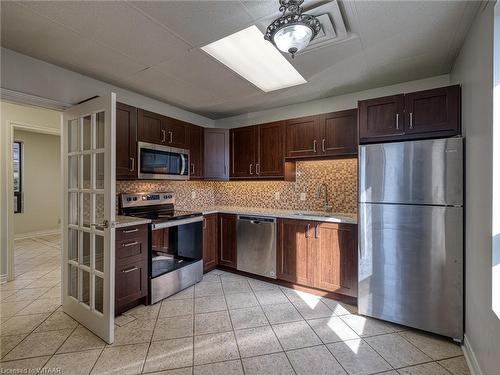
171, 137
130, 269
316, 232
163, 136
411, 120
192, 168
314, 145
257, 168
133, 243
397, 121
130, 230
251, 169
307, 230
204, 223
323, 145
132, 160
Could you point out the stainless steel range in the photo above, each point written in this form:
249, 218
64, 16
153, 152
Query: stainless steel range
175, 242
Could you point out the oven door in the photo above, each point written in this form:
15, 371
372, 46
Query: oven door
158, 162
175, 244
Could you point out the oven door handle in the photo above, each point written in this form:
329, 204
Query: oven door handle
176, 223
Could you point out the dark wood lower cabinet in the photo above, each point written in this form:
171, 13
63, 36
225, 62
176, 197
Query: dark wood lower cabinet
131, 269
210, 248
319, 255
227, 240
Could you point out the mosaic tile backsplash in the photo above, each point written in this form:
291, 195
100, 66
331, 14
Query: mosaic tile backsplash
340, 176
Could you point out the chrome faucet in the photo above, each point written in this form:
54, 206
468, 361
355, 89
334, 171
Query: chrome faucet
327, 207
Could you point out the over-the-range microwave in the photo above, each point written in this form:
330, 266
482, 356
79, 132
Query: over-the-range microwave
157, 162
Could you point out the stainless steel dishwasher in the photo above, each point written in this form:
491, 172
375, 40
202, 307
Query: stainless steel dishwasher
256, 245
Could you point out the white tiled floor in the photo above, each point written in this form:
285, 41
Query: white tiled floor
227, 324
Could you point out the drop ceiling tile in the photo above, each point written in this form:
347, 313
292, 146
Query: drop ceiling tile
205, 72
199, 22
170, 89
267, 8
115, 24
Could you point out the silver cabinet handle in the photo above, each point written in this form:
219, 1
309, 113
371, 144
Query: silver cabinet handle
192, 168
251, 169
225, 169
163, 136
128, 244
323, 145
130, 269
130, 230
132, 160
314, 145
204, 223
316, 232
397, 121
171, 137
411, 120
307, 230
257, 168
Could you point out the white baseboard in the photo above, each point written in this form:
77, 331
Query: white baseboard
470, 358
40, 233
3, 279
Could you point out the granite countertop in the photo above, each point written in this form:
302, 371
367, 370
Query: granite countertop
127, 221
330, 217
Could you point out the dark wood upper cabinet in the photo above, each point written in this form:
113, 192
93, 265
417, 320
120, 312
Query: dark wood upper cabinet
150, 127
433, 111
216, 154
176, 132
126, 142
270, 150
340, 133
336, 258
243, 147
210, 242
227, 240
302, 136
295, 252
418, 115
381, 117
196, 140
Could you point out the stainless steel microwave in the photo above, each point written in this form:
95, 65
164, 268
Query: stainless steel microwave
157, 162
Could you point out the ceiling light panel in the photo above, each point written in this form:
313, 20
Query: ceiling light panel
258, 61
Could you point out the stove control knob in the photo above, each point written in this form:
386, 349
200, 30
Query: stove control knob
129, 199
135, 198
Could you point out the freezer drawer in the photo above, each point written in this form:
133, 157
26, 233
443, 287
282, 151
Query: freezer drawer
256, 245
411, 266
417, 172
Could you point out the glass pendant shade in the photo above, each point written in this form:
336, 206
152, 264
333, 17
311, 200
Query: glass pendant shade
293, 38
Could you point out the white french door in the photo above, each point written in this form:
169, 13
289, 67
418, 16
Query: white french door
88, 252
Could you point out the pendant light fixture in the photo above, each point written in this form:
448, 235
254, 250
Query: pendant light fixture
293, 31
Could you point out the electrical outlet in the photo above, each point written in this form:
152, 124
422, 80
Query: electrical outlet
193, 195
303, 196
277, 195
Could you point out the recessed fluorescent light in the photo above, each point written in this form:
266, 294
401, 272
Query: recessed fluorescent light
255, 59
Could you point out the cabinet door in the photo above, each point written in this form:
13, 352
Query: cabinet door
433, 111
227, 240
381, 118
336, 258
243, 146
196, 151
270, 150
150, 127
295, 261
131, 283
340, 135
302, 136
176, 132
216, 154
126, 142
210, 242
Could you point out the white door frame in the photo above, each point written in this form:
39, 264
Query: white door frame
8, 214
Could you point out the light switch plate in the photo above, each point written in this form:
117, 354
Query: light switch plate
303, 196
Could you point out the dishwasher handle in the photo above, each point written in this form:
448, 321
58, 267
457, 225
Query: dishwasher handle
257, 219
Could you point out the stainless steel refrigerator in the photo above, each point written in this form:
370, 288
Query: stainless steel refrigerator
411, 234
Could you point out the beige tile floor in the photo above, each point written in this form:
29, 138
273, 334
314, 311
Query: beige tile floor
227, 324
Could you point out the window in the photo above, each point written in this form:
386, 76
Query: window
17, 168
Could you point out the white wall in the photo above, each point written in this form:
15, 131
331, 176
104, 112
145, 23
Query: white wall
332, 104
474, 71
41, 183
21, 115
27, 75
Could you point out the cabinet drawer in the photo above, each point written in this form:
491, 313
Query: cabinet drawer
128, 248
135, 232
